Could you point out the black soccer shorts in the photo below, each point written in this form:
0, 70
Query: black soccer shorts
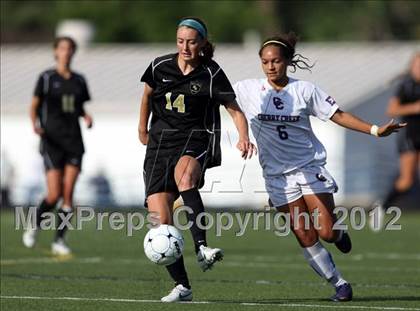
56, 157
408, 141
159, 165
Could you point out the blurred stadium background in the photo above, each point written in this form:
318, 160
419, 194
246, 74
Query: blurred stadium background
359, 49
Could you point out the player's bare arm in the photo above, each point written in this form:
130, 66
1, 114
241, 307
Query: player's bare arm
352, 122
396, 109
244, 145
144, 114
33, 115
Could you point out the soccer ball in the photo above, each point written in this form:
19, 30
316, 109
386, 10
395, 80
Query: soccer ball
163, 245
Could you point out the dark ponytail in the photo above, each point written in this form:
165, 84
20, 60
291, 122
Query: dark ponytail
287, 45
207, 52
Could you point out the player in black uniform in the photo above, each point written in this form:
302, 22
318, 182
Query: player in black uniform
183, 91
406, 105
57, 104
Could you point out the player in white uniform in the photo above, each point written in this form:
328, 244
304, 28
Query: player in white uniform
278, 109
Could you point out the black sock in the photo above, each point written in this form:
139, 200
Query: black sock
391, 197
43, 208
178, 273
62, 213
193, 200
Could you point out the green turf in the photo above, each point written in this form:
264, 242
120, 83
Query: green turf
259, 267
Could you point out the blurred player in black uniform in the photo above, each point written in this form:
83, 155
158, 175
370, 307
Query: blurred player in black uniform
406, 105
56, 107
183, 92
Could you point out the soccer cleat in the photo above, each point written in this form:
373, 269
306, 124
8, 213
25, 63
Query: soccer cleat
207, 256
60, 248
343, 293
178, 293
29, 237
344, 244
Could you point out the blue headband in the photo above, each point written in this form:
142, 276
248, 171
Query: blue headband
195, 25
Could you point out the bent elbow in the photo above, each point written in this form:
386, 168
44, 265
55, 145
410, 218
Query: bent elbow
391, 113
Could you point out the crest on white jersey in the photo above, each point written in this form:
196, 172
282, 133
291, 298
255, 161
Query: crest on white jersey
278, 103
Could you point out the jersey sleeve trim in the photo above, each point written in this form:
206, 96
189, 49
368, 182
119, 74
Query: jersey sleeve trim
155, 66
212, 75
317, 106
333, 110
46, 77
42, 90
211, 82
217, 71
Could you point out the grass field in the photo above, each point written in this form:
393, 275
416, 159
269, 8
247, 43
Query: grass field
260, 272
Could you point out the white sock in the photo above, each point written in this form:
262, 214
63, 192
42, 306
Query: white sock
321, 261
66, 208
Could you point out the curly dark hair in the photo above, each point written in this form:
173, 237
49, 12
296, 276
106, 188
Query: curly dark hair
287, 45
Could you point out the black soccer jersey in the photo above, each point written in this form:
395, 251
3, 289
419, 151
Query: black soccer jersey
186, 107
409, 92
61, 106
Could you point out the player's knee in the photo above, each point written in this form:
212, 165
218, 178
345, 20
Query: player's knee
187, 182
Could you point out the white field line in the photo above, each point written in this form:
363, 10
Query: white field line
49, 260
285, 305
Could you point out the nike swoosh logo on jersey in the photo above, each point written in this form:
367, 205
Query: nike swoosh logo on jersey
166, 80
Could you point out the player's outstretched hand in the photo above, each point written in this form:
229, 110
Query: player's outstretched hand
88, 120
246, 148
390, 128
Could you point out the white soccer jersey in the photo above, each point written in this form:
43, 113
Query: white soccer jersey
280, 122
